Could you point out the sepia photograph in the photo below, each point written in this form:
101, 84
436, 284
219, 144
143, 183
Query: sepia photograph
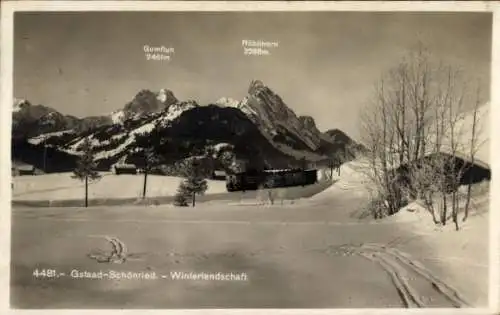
239, 159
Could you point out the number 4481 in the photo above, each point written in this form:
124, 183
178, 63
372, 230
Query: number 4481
44, 273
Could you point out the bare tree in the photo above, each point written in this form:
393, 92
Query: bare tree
150, 160
474, 145
416, 114
146, 150
458, 142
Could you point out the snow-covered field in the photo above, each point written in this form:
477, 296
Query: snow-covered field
455, 254
452, 255
351, 180
449, 255
61, 186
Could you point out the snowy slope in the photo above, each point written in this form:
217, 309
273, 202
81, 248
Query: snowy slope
39, 139
450, 251
130, 139
352, 180
174, 111
170, 114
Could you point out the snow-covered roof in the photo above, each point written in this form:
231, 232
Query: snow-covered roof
463, 137
122, 165
25, 167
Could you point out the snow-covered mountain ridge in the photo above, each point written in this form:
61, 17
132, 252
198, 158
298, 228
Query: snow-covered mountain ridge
260, 123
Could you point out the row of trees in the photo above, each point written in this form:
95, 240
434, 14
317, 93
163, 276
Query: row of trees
194, 173
415, 130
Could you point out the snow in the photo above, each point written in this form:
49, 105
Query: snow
40, 138
162, 95
61, 186
277, 170
220, 146
73, 148
131, 138
443, 250
227, 102
118, 136
174, 111
76, 145
144, 128
247, 109
105, 142
118, 116
94, 141
350, 181
450, 251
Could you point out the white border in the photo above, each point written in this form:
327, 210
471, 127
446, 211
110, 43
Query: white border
494, 285
9, 7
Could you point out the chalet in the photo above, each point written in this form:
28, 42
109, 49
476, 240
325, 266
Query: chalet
23, 169
253, 179
219, 175
124, 169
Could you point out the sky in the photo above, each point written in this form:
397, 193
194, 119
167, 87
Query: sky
326, 64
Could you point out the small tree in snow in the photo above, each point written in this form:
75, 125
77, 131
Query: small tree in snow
86, 167
194, 183
181, 197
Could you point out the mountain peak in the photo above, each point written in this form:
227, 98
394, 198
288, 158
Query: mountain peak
255, 86
334, 132
146, 101
272, 115
166, 97
19, 104
308, 122
336, 135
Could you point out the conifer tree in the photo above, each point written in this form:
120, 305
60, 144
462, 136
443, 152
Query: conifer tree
194, 183
86, 167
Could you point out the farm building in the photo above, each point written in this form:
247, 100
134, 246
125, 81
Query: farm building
124, 169
23, 169
219, 175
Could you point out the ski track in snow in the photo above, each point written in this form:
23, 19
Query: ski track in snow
399, 266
